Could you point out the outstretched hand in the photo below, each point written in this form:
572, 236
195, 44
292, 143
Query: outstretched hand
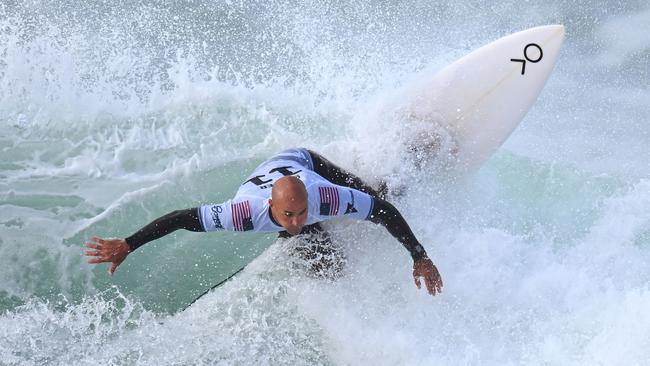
426, 269
107, 250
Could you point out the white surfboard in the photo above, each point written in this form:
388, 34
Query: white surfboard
481, 98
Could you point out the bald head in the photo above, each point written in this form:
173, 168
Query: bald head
289, 203
290, 189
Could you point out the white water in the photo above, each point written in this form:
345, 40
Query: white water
111, 116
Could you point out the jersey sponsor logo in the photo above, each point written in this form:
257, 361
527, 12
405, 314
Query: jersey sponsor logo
329, 201
215, 211
351, 209
241, 216
257, 180
262, 183
284, 170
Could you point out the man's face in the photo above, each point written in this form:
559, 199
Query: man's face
291, 214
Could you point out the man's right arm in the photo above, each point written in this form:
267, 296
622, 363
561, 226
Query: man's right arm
187, 219
214, 217
211, 217
115, 251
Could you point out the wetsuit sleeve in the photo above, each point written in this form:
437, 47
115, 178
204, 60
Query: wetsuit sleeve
187, 219
389, 217
341, 177
369, 203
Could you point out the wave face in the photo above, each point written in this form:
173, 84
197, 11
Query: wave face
112, 114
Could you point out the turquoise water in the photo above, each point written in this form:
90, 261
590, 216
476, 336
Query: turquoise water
113, 114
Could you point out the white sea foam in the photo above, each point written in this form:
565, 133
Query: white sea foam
109, 120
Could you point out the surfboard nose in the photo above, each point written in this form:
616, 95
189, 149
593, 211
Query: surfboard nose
552, 28
481, 98
552, 32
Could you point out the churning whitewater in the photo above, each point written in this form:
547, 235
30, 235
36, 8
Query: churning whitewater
115, 113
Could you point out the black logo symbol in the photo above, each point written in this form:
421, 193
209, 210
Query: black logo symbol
284, 170
350, 209
523, 62
259, 181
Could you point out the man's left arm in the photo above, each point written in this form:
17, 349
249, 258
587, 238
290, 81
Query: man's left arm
388, 216
349, 202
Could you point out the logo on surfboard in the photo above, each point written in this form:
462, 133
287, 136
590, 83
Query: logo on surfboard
534, 61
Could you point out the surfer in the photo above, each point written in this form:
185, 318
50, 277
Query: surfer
290, 193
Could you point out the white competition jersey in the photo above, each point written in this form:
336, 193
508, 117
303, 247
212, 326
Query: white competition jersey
249, 210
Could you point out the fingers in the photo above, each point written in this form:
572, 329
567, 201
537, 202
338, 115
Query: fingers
432, 280
433, 285
98, 240
416, 278
96, 243
100, 252
429, 283
112, 251
113, 268
98, 260
95, 253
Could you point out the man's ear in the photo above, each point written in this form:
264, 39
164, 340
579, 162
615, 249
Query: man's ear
270, 202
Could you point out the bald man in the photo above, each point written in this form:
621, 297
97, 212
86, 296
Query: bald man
290, 193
